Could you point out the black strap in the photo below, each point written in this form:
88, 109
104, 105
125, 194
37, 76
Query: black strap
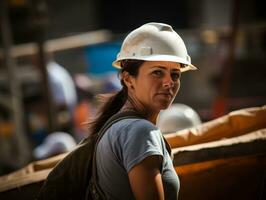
115, 118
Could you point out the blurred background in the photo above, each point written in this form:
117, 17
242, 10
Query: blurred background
55, 57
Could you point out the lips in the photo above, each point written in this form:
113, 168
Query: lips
166, 94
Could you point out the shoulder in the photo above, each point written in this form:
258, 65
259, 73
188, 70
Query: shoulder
138, 140
135, 125
130, 131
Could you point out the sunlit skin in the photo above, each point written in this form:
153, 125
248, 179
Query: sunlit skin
154, 88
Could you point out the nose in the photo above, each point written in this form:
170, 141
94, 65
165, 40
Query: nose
168, 81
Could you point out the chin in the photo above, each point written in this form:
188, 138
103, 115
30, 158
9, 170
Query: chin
164, 105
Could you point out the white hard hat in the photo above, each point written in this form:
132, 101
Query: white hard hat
177, 117
55, 143
154, 42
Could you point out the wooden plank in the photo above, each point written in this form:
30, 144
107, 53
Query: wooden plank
60, 44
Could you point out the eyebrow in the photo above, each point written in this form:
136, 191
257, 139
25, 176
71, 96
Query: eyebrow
163, 67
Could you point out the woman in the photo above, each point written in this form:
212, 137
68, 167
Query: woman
132, 158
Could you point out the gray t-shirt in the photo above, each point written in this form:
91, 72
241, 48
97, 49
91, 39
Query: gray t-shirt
124, 145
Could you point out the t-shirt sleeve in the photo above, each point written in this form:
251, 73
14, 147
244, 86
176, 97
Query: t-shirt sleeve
140, 140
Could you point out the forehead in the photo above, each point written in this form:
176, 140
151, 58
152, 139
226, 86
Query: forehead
164, 64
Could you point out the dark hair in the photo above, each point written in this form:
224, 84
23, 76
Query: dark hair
112, 103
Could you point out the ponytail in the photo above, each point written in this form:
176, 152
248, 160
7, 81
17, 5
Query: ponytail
112, 103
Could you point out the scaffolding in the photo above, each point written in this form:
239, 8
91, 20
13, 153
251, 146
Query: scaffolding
18, 150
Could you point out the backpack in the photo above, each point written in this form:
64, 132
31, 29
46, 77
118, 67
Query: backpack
75, 177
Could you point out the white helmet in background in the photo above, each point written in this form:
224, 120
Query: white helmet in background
54, 144
177, 117
154, 42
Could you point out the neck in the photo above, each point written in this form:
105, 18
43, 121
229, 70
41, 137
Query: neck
138, 107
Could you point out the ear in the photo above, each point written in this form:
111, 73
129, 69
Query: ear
128, 80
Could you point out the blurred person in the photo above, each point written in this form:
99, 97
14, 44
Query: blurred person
62, 86
63, 93
82, 114
177, 117
37, 121
85, 108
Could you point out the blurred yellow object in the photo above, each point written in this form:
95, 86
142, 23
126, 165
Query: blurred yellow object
18, 2
210, 36
6, 129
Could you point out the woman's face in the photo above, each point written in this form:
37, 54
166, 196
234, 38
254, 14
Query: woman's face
156, 84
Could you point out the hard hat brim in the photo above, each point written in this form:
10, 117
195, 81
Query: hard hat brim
187, 65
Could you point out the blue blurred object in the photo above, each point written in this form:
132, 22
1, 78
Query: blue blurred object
100, 57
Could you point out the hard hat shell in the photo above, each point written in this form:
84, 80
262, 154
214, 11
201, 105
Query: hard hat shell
154, 42
177, 117
55, 143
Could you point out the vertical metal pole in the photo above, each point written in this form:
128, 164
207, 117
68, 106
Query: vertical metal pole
220, 106
46, 87
21, 153
39, 16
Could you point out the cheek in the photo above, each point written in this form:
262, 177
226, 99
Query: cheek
142, 90
155, 87
148, 85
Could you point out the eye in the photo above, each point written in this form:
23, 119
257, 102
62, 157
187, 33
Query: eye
158, 73
175, 76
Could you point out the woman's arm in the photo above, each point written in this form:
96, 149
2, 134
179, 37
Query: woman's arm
145, 179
